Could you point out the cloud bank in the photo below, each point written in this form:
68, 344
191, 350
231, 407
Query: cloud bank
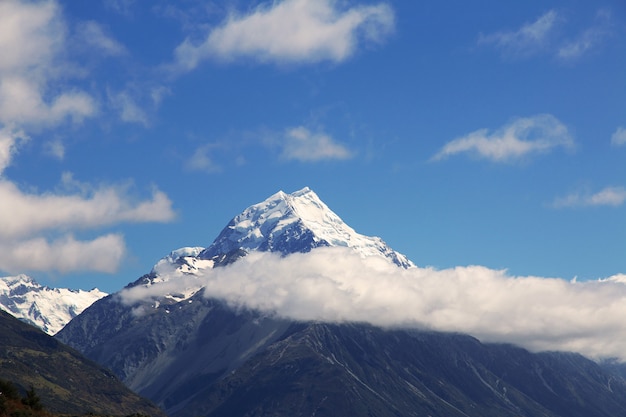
337, 285
290, 31
513, 141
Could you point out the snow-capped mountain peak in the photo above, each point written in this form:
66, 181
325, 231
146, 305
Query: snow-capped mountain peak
296, 222
283, 223
47, 308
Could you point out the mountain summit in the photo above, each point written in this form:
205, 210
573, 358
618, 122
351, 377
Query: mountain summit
296, 222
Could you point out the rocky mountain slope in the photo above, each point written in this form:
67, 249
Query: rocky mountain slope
197, 355
47, 308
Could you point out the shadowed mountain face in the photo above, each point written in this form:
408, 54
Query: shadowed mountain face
203, 358
195, 356
329, 370
65, 381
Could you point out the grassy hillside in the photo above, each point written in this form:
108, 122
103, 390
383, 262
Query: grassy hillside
65, 381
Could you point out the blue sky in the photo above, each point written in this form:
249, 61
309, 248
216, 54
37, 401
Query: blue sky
462, 133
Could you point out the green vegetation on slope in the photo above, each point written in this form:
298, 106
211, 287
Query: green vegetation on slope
65, 381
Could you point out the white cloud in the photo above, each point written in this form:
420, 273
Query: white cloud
93, 34
32, 36
527, 40
303, 145
292, 31
588, 39
128, 108
9, 141
123, 7
619, 137
30, 33
55, 149
66, 254
201, 160
24, 214
520, 138
541, 36
609, 196
35, 228
337, 285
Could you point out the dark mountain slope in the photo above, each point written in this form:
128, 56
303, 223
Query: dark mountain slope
169, 353
65, 381
358, 370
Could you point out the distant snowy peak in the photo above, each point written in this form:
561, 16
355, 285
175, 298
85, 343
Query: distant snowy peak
290, 223
47, 308
183, 260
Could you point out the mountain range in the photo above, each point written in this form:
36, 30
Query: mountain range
47, 308
193, 353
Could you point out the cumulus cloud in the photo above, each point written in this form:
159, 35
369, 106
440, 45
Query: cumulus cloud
65, 254
32, 36
338, 285
24, 214
515, 140
10, 140
619, 137
25, 217
36, 229
609, 196
292, 31
527, 40
300, 144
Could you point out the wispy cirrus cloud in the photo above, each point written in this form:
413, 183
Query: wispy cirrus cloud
203, 160
527, 40
94, 35
542, 36
587, 39
516, 140
608, 196
127, 107
290, 31
619, 137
